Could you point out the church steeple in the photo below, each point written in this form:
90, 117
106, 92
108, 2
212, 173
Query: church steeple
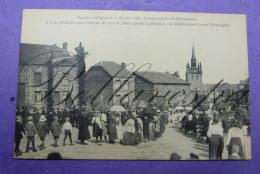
193, 58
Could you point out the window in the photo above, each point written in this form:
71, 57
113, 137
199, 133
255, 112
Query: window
37, 78
126, 86
56, 97
66, 79
118, 83
38, 96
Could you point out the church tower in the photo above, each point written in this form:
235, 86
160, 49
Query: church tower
194, 71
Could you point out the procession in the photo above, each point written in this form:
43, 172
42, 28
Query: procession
118, 113
133, 126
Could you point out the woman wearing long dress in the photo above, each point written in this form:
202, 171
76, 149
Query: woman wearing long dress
103, 122
215, 135
151, 129
83, 128
235, 137
129, 132
246, 142
119, 128
140, 127
157, 126
112, 128
97, 130
146, 128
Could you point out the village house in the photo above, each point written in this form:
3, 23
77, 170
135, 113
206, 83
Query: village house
108, 83
159, 87
46, 77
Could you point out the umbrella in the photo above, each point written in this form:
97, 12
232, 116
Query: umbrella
178, 108
117, 108
188, 108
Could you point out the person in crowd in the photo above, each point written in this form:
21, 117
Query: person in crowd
19, 131
151, 128
112, 132
163, 121
30, 133
36, 116
146, 132
129, 133
49, 118
63, 116
119, 127
103, 122
59, 114
246, 139
67, 127
157, 127
124, 117
55, 130
42, 130
235, 137
43, 111
84, 122
96, 124
140, 127
215, 135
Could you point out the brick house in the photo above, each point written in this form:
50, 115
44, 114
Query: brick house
40, 69
155, 86
108, 83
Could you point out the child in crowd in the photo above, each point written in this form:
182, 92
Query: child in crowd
30, 132
56, 130
67, 130
42, 130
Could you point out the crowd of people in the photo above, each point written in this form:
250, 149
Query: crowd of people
128, 127
216, 126
134, 125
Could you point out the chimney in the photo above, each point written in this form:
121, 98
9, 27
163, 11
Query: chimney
123, 65
65, 46
176, 73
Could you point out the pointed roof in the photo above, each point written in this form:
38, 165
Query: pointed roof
193, 52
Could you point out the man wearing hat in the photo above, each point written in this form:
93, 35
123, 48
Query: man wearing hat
30, 132
55, 130
42, 130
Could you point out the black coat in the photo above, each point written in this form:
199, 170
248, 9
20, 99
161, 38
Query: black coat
83, 128
18, 130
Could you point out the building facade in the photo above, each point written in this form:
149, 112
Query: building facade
47, 77
107, 84
160, 88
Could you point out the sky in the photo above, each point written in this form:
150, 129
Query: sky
222, 50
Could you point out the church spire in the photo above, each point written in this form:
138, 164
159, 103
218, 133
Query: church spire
193, 58
193, 52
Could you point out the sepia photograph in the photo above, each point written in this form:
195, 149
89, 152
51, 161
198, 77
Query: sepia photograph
132, 85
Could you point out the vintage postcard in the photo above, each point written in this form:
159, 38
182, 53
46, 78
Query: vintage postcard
132, 86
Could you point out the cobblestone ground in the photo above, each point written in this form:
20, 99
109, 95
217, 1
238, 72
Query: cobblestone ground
172, 140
